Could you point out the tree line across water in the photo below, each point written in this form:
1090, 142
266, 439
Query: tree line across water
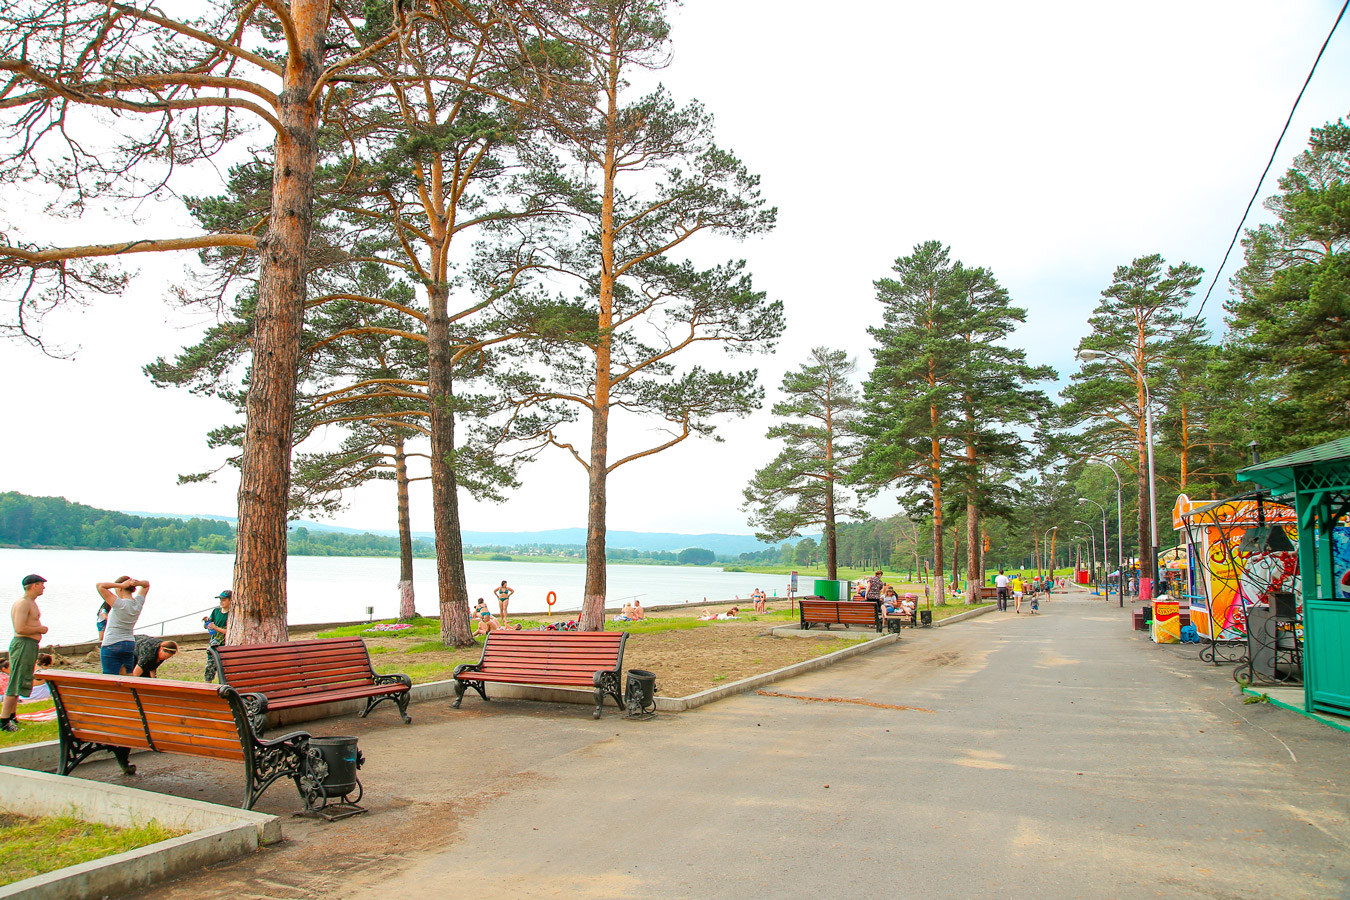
459, 235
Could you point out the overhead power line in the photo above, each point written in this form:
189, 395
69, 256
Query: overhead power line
1256, 193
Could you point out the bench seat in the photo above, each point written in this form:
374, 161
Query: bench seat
122, 713
591, 659
815, 611
313, 672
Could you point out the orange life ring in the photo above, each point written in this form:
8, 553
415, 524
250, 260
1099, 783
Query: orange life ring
551, 599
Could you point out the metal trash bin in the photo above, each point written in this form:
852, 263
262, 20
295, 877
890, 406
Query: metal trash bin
329, 780
342, 760
640, 693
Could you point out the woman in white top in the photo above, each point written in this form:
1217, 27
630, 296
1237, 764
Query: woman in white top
118, 650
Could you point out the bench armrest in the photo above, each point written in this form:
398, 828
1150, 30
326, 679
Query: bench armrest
294, 737
394, 679
466, 667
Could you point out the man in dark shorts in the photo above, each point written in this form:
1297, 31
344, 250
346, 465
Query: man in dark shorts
23, 649
150, 653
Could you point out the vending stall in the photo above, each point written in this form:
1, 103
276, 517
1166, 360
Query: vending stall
1239, 553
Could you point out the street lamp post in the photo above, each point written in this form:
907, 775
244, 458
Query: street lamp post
1092, 535
1045, 546
1090, 355
1120, 531
1106, 553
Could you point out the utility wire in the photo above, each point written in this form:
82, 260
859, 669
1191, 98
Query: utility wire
1256, 193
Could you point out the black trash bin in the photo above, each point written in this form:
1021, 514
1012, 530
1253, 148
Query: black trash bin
640, 692
342, 759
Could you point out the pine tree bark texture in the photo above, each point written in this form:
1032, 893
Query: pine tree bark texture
259, 614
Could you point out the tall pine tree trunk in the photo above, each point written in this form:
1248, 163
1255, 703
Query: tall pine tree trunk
259, 612
407, 606
1145, 541
452, 591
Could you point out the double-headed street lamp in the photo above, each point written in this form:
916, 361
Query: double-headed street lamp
1120, 532
1106, 554
1089, 356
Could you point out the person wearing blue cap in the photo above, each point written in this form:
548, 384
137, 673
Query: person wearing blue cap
217, 624
23, 649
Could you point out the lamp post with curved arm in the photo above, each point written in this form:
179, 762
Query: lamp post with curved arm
1093, 537
1089, 356
1120, 531
1106, 554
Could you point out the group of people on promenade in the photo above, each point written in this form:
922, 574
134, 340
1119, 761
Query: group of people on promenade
121, 650
875, 589
1018, 587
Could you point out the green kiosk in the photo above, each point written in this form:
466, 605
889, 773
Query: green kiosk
1317, 482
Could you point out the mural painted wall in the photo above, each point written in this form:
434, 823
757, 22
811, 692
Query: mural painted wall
1223, 581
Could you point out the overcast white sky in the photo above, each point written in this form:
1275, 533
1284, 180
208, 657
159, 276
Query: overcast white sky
1048, 141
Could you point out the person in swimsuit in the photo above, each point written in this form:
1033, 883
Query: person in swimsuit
503, 597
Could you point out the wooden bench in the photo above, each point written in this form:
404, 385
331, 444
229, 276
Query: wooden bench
815, 611
309, 673
121, 713
988, 592
893, 623
591, 659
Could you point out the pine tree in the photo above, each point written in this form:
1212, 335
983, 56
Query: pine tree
1138, 321
802, 486
1289, 325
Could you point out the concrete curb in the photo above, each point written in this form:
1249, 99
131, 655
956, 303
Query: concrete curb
1316, 717
969, 614
216, 833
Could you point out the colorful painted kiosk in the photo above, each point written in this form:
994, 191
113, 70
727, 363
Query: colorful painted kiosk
1317, 482
1224, 576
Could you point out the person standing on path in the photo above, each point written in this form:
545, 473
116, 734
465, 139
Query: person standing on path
118, 651
875, 585
23, 648
217, 623
1018, 588
1001, 588
503, 597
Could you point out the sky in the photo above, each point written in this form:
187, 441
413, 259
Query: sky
1047, 141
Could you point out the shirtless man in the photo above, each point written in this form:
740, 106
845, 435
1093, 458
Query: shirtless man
23, 649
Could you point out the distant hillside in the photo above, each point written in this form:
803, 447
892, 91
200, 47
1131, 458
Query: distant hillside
721, 544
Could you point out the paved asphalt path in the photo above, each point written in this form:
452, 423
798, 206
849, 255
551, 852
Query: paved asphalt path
1052, 756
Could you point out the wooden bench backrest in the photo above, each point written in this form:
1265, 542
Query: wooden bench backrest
566, 657
296, 667
147, 713
843, 612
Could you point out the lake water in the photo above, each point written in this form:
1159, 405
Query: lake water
331, 589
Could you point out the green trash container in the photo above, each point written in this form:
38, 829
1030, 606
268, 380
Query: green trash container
827, 590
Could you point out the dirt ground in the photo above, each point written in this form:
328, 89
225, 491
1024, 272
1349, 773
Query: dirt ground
685, 661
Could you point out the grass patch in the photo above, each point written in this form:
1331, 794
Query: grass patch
37, 846
655, 626
422, 627
424, 647
31, 732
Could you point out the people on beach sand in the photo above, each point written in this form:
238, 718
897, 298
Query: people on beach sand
217, 623
26, 619
638, 612
125, 599
151, 653
627, 614
503, 597
486, 622
761, 600
712, 616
